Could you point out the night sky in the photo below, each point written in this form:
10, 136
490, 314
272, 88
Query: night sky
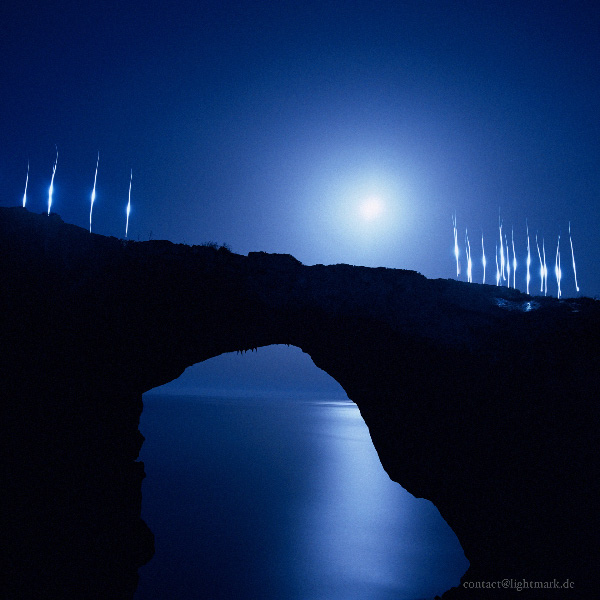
334, 131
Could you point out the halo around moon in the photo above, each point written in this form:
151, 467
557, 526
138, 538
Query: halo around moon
371, 209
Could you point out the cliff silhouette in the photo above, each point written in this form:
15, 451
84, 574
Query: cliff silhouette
479, 398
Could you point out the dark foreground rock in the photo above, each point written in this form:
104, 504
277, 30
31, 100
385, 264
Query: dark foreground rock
480, 399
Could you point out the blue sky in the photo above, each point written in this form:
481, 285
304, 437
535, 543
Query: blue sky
268, 125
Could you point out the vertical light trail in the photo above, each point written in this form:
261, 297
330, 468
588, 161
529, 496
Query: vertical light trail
483, 257
557, 271
468, 252
528, 256
497, 268
545, 268
512, 235
501, 250
528, 259
455, 244
507, 262
94, 191
128, 204
572, 255
51, 189
541, 264
27, 180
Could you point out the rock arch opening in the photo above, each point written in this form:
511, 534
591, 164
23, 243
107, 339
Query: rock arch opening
262, 481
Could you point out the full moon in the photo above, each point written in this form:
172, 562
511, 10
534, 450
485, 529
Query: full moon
371, 209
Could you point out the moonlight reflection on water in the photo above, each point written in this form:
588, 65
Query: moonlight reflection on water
282, 499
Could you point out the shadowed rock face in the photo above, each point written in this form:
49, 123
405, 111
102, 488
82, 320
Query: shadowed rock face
478, 398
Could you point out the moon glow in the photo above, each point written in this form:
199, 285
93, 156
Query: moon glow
371, 209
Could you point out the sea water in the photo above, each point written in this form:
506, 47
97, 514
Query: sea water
282, 499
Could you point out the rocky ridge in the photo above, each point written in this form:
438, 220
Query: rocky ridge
481, 399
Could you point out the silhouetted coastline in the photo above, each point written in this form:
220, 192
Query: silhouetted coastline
490, 413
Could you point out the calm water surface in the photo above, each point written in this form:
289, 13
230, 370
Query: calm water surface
282, 499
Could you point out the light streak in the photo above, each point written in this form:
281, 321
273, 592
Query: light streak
528, 257
128, 204
26, 181
545, 269
468, 252
541, 264
557, 270
572, 255
456, 245
483, 257
497, 268
94, 191
51, 189
507, 262
501, 250
512, 235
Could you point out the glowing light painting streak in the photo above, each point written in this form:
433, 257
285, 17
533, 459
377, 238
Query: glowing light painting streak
512, 235
545, 269
456, 245
483, 257
497, 268
94, 192
468, 252
51, 189
557, 270
128, 204
570, 240
541, 264
528, 258
507, 262
501, 251
27, 180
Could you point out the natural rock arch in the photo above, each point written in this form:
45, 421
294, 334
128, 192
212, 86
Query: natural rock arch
473, 400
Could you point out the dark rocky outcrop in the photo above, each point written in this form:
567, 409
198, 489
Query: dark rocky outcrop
479, 398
